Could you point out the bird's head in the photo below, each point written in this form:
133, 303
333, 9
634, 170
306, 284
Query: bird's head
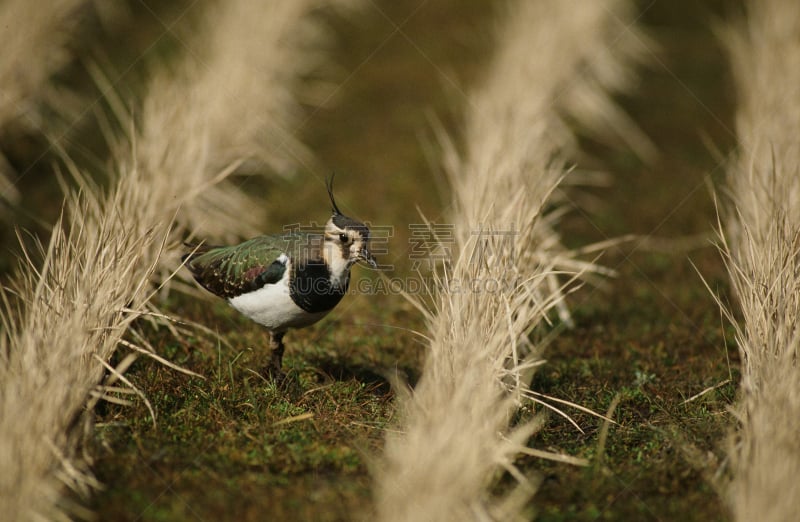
346, 240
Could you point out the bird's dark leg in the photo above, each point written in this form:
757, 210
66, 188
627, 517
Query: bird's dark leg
276, 355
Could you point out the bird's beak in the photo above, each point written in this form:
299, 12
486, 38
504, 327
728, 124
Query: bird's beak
366, 255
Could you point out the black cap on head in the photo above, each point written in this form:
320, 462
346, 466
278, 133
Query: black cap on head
349, 223
342, 221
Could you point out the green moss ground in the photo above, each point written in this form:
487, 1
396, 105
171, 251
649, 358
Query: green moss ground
233, 446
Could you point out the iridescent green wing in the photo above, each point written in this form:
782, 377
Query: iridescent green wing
234, 270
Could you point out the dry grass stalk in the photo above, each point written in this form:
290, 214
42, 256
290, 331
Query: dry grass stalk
34, 47
761, 246
227, 108
552, 56
233, 98
62, 320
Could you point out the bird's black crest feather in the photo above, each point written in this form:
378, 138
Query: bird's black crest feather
329, 185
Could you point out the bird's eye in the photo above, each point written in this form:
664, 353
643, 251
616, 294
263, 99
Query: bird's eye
344, 238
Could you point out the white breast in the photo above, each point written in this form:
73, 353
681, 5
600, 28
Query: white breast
272, 306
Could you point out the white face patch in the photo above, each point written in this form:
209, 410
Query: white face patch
340, 250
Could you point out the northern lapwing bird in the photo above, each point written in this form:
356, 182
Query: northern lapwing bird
288, 280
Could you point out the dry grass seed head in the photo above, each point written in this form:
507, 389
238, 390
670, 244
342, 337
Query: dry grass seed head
761, 247
503, 179
61, 320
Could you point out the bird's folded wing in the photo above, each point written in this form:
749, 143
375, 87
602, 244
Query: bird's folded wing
233, 270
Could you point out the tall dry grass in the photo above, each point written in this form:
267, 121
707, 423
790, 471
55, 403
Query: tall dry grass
761, 245
553, 58
229, 110
63, 318
35, 36
232, 105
